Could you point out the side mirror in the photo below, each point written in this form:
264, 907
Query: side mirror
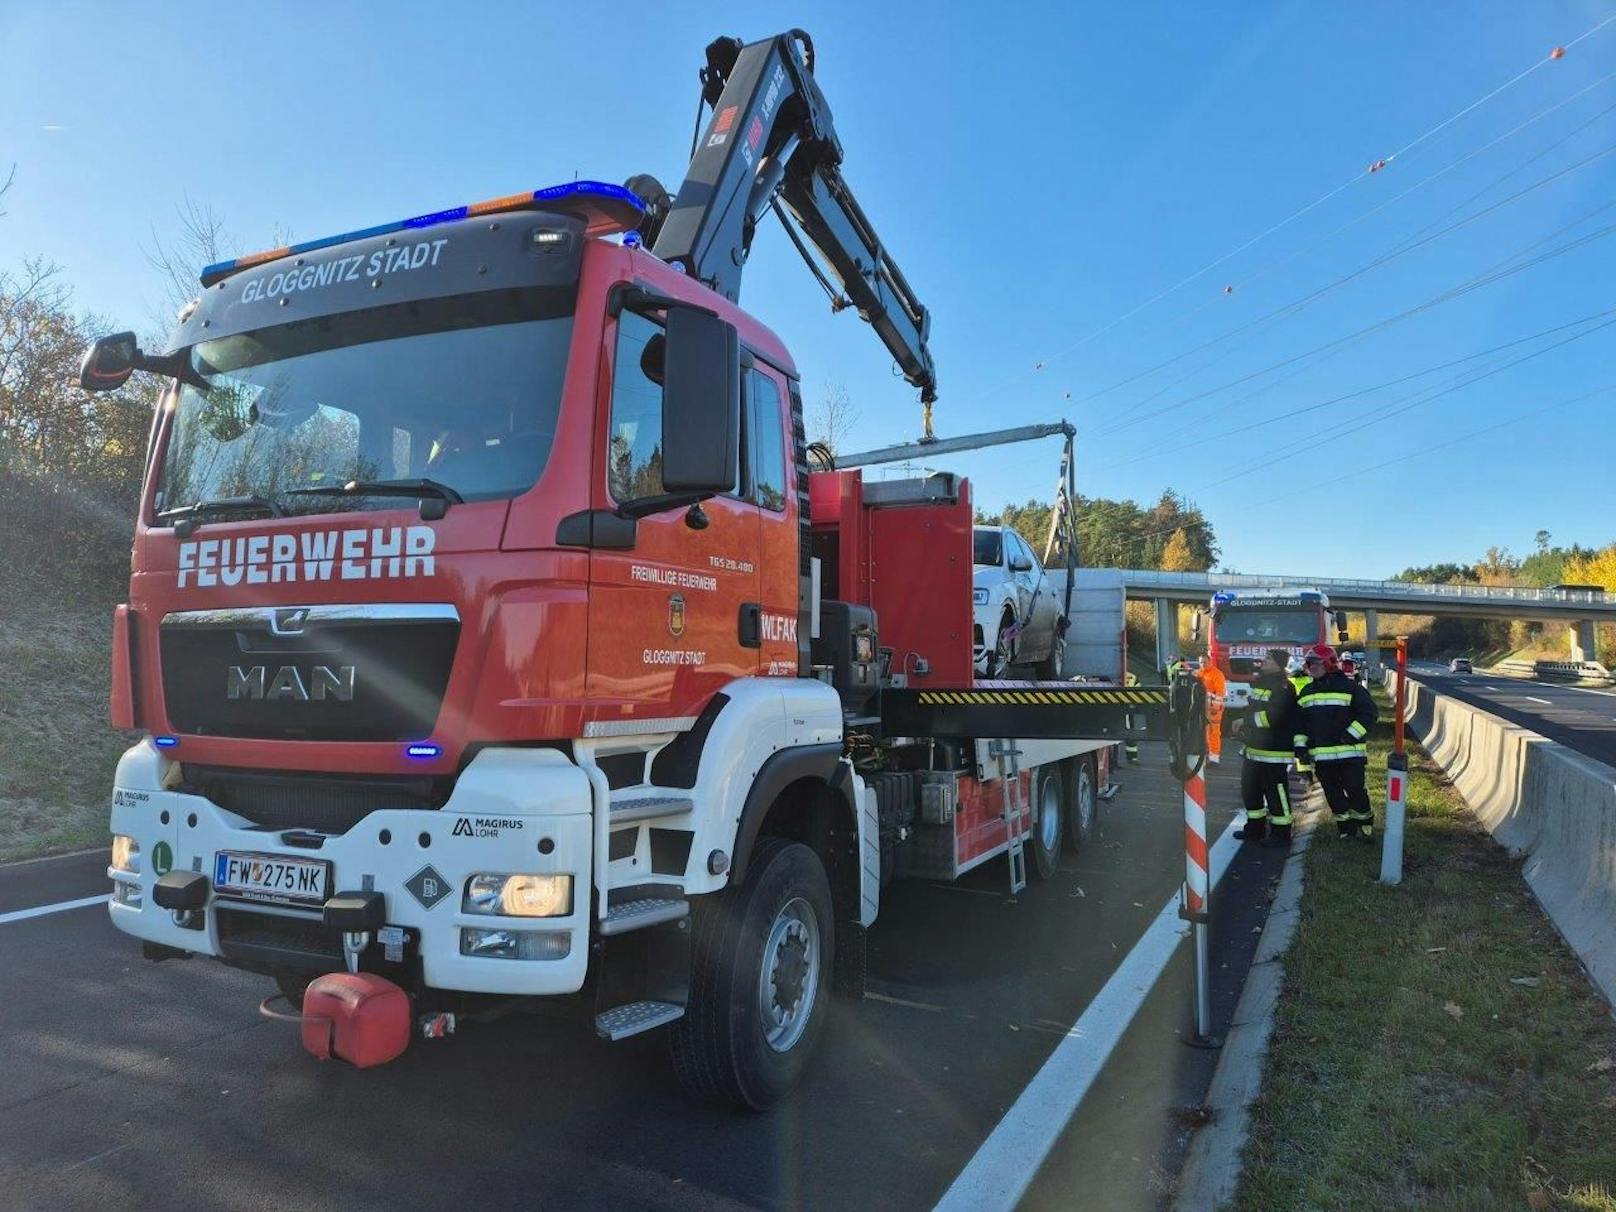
701, 408
1195, 626
1020, 563
109, 362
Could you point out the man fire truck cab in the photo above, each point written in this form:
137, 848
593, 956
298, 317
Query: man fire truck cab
1244, 625
485, 640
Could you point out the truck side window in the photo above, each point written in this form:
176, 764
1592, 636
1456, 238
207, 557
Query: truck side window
767, 447
634, 458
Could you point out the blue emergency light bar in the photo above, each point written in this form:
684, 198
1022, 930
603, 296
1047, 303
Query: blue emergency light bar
605, 210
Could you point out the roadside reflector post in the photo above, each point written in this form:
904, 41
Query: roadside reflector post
1391, 852
1187, 752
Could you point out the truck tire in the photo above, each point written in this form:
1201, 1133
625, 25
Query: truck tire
760, 976
1083, 802
1049, 824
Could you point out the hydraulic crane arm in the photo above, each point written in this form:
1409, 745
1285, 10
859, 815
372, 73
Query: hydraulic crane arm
771, 141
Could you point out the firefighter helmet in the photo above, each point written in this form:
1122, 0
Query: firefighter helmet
1322, 653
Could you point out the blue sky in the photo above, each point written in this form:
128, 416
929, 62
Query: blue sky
1039, 171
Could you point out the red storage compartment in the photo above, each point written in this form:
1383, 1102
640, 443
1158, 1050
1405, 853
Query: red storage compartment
357, 1017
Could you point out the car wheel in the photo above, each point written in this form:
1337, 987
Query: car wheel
760, 976
1053, 667
1049, 821
999, 658
1084, 800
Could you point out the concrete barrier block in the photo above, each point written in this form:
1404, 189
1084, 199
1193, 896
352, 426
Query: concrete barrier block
1551, 804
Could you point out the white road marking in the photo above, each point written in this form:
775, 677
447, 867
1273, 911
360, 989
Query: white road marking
1532, 698
998, 1175
21, 915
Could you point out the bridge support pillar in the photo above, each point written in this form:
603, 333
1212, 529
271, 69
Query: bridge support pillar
1584, 644
1371, 622
1166, 631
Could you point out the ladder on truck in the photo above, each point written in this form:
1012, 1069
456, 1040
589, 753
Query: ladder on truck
1005, 754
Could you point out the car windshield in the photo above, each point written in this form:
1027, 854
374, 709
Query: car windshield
989, 548
464, 391
1267, 627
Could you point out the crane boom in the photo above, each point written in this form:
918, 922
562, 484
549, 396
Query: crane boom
771, 144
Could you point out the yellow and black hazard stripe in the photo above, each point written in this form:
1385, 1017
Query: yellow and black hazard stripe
1131, 696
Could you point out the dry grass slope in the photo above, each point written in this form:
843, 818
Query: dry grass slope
57, 764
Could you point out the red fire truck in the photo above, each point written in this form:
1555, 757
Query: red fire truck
1245, 625
492, 637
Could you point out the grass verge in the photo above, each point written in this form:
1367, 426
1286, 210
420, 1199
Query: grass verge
1437, 1045
57, 765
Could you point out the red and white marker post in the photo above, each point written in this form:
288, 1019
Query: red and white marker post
1197, 909
1391, 853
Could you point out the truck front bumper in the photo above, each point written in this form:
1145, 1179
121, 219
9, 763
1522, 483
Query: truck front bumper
521, 811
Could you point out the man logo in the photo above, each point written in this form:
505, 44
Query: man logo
676, 614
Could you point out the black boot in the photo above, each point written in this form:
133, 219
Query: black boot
1345, 828
1252, 830
1366, 831
1278, 835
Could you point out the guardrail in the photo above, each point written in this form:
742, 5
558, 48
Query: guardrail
1556, 671
1411, 590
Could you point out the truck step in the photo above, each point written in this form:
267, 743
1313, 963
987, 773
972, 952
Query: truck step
620, 1022
638, 914
649, 807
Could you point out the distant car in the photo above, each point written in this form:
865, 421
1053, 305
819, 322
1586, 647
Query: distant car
1460, 665
1017, 618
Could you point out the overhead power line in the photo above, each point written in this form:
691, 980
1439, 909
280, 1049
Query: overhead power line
1395, 251
1372, 168
1489, 276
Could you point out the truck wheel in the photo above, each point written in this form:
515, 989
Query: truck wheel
1044, 842
1085, 803
760, 975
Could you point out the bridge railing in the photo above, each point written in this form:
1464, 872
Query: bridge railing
1410, 590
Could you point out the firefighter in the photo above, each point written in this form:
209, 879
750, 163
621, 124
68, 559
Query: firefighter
1333, 718
1296, 675
1267, 729
1130, 748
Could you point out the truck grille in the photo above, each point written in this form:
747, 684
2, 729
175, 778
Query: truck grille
311, 673
329, 803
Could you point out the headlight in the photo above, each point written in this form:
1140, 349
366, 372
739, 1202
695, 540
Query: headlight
518, 895
515, 944
979, 597
125, 854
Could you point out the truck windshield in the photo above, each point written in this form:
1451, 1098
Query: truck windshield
464, 391
1267, 627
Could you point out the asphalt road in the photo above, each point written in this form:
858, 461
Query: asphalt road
1584, 720
128, 1084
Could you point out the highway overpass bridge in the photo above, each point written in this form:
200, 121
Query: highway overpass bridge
1579, 609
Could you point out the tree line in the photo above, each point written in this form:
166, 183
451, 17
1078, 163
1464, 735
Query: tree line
1547, 565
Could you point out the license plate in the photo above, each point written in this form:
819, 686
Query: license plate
271, 877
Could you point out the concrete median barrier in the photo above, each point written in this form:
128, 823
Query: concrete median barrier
1542, 800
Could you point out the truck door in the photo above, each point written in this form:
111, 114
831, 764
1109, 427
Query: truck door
772, 487
665, 615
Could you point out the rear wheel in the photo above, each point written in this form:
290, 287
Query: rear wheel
1049, 821
760, 965
1052, 668
1084, 799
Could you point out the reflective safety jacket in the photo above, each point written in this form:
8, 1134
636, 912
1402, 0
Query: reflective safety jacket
1333, 716
1271, 719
